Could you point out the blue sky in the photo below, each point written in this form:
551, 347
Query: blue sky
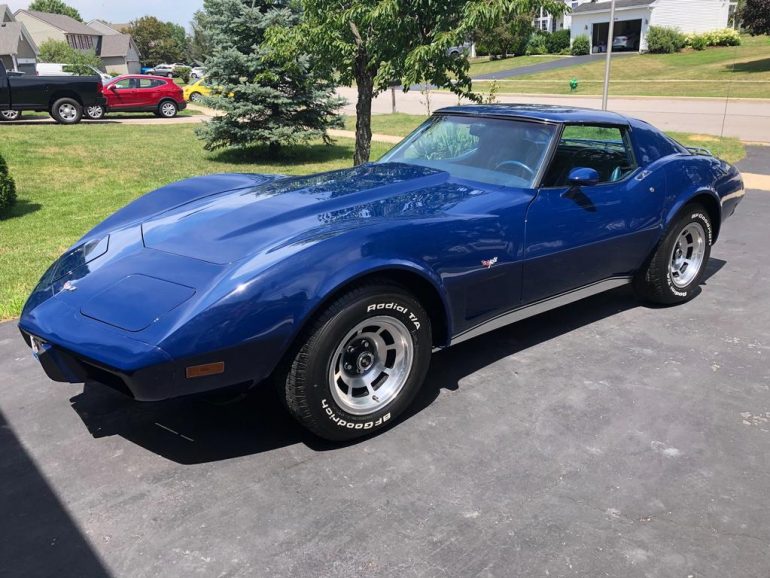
179, 11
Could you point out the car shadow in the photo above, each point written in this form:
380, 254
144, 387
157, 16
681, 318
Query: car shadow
194, 430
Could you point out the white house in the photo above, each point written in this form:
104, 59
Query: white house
633, 19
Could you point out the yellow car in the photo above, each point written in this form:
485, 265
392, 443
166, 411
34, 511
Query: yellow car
196, 91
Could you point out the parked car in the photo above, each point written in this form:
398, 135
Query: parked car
140, 93
197, 90
59, 69
63, 97
336, 287
164, 70
457, 51
197, 72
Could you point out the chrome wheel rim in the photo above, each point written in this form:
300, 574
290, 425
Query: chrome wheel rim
168, 109
68, 112
195, 97
371, 365
95, 111
687, 255
10, 114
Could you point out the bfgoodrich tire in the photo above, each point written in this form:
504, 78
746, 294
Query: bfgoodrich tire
676, 268
360, 364
67, 111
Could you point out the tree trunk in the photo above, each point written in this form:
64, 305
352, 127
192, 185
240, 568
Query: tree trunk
365, 85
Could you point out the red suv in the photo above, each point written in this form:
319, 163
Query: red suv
140, 93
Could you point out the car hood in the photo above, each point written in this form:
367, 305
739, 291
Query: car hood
228, 227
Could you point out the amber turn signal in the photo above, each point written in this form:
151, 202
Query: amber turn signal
206, 369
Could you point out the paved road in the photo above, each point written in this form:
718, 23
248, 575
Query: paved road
566, 62
604, 438
745, 119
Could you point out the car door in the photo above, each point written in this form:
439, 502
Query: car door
148, 92
122, 93
576, 236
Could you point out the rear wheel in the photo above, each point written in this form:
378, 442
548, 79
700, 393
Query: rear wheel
10, 115
196, 97
676, 268
67, 111
360, 364
95, 112
167, 109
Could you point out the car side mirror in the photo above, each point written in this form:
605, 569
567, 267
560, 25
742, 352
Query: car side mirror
583, 177
113, 87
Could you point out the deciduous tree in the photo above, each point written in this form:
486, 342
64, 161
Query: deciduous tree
78, 61
755, 16
55, 7
377, 43
158, 42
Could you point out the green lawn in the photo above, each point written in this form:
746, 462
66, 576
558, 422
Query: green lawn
483, 64
70, 178
742, 71
397, 124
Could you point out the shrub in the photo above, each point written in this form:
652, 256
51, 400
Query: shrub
537, 44
7, 188
505, 39
723, 37
183, 72
581, 45
557, 41
665, 40
697, 41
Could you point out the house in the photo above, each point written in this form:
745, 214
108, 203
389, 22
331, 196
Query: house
18, 50
119, 52
548, 23
633, 19
43, 26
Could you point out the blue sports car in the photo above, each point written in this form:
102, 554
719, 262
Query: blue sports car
337, 287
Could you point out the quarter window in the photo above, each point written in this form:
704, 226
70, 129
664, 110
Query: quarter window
604, 149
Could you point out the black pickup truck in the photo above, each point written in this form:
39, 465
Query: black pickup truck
63, 97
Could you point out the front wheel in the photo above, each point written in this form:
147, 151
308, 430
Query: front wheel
96, 112
10, 115
360, 364
196, 97
67, 111
676, 268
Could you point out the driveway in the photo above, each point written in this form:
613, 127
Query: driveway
603, 438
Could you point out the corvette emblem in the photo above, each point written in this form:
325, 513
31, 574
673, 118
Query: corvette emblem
69, 286
489, 262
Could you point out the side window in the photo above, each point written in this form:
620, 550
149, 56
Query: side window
123, 84
605, 149
157, 83
145, 83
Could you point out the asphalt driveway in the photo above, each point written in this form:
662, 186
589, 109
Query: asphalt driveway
566, 62
601, 439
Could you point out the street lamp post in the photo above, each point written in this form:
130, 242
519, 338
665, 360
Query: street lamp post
608, 65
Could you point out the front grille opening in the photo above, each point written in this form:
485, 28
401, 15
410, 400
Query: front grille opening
107, 378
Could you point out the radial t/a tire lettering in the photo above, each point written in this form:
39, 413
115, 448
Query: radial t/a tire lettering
360, 364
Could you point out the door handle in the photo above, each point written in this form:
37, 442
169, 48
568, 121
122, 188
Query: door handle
643, 175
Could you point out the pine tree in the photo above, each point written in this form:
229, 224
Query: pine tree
268, 95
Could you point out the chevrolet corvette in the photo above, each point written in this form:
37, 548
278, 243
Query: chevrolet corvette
337, 287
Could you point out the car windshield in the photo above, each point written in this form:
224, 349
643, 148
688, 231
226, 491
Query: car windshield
488, 150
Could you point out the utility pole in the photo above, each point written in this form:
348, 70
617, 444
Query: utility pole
608, 65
